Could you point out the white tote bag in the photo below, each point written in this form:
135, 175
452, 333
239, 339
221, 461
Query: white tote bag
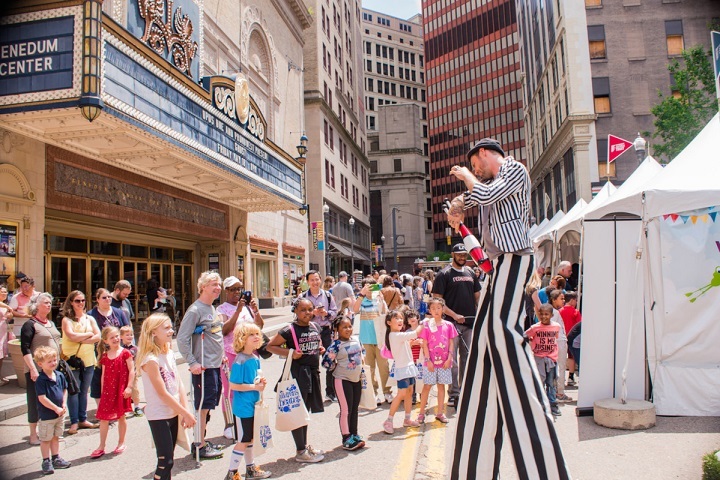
367, 395
291, 410
262, 435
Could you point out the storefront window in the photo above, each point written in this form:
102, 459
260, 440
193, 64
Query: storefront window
67, 244
135, 251
262, 278
104, 248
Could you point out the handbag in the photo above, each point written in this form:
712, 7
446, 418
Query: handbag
75, 361
262, 434
367, 394
262, 351
73, 387
291, 411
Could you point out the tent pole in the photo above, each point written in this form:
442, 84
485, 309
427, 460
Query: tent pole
615, 305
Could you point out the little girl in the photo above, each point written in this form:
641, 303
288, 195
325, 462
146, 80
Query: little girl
247, 381
115, 388
439, 352
412, 320
346, 354
398, 343
166, 407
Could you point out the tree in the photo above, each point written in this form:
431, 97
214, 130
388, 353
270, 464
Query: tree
680, 116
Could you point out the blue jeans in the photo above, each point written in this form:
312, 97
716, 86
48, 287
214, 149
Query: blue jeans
550, 385
77, 404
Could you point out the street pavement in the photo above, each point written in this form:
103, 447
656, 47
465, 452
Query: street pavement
671, 450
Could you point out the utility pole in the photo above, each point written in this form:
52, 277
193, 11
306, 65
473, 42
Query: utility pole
394, 227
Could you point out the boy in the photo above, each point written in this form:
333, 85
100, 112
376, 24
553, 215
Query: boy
571, 317
543, 339
127, 341
51, 390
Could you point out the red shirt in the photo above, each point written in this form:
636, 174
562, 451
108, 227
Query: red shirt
571, 316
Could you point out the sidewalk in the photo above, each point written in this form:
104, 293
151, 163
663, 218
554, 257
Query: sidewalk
12, 397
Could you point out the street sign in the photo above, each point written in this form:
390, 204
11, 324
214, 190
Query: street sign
716, 59
616, 147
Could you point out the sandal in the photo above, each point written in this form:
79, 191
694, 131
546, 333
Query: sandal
97, 453
72, 430
120, 449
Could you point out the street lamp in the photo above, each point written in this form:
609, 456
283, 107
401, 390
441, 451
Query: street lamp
640, 145
352, 249
326, 211
382, 251
302, 160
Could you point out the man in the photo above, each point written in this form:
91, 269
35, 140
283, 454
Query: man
343, 289
23, 297
396, 279
120, 299
324, 313
501, 384
565, 269
204, 357
460, 289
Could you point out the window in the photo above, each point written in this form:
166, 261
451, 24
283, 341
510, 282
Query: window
343, 193
601, 94
674, 34
593, 3
596, 37
397, 167
326, 131
373, 166
368, 48
332, 138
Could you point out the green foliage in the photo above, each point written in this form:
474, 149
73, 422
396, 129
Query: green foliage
679, 120
711, 467
443, 256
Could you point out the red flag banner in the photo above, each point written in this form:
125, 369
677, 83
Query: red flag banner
616, 147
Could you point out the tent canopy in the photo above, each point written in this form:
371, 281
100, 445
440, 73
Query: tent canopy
574, 213
554, 220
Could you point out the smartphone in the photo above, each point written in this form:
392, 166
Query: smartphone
247, 296
375, 287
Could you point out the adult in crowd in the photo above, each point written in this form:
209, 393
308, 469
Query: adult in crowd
556, 283
532, 299
37, 332
375, 275
328, 283
324, 312
121, 292
396, 279
104, 313
233, 313
153, 296
372, 309
565, 269
170, 304
500, 187
343, 289
204, 360
429, 276
5, 316
391, 294
18, 276
407, 291
80, 334
460, 288
22, 298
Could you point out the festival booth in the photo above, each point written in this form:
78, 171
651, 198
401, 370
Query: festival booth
551, 235
543, 253
650, 272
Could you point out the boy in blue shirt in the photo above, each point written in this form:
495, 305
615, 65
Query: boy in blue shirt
51, 390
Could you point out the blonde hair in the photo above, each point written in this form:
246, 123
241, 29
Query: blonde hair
44, 353
206, 278
126, 328
346, 303
242, 333
102, 347
146, 344
534, 283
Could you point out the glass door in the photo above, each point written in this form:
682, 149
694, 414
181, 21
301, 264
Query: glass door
66, 274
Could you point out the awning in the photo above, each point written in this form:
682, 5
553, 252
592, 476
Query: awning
346, 252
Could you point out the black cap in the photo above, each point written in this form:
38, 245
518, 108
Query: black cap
20, 275
459, 248
488, 144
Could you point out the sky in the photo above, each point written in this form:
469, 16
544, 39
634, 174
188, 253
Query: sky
397, 8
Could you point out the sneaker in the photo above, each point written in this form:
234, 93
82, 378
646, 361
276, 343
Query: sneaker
408, 423
315, 451
359, 440
208, 451
353, 443
306, 457
254, 471
47, 467
440, 417
388, 427
388, 397
379, 400
555, 411
331, 398
453, 402
139, 412
59, 462
571, 382
421, 418
561, 397
233, 475
228, 433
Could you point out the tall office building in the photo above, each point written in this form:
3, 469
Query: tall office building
473, 75
337, 170
397, 129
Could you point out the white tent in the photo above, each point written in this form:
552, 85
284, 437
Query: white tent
601, 197
537, 227
543, 252
551, 235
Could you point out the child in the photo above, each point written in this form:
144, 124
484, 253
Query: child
166, 404
303, 337
418, 292
117, 370
247, 381
127, 337
557, 300
345, 309
570, 317
397, 342
51, 390
346, 354
439, 351
412, 320
543, 337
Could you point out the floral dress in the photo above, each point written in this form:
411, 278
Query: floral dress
115, 380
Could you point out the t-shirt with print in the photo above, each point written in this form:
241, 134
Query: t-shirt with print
54, 390
244, 370
309, 341
228, 309
458, 288
438, 342
347, 354
543, 340
156, 408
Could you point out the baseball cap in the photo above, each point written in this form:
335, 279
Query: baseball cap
459, 248
342, 274
230, 281
488, 144
20, 276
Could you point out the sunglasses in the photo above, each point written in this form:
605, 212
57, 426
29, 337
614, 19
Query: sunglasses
77, 300
105, 298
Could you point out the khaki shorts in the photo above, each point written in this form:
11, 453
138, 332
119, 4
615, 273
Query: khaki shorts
48, 429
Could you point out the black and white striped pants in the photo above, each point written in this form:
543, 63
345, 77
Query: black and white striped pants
502, 388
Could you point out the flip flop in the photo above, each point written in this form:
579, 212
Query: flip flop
34, 442
120, 449
72, 430
97, 453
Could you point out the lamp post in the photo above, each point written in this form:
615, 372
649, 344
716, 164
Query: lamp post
352, 249
302, 160
640, 145
382, 251
326, 211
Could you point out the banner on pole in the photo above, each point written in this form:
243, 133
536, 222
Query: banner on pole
616, 147
318, 235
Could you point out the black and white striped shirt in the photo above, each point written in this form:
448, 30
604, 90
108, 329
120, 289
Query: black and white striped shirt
508, 198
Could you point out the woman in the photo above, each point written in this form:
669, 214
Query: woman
5, 315
37, 332
80, 333
328, 283
429, 279
532, 297
105, 314
391, 294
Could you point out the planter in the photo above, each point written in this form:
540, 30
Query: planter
18, 362
17, 325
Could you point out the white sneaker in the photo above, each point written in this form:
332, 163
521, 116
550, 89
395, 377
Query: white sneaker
388, 397
379, 400
306, 457
228, 433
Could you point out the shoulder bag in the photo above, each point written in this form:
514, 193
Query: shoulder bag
291, 411
73, 387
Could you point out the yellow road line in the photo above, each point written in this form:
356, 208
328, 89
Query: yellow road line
405, 468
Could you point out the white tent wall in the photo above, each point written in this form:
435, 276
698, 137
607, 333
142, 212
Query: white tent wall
611, 295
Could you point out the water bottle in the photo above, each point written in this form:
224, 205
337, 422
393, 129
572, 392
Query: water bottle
472, 245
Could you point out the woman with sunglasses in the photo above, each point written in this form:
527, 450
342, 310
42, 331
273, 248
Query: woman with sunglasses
80, 333
105, 314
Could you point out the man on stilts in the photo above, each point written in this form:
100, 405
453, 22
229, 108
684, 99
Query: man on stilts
502, 387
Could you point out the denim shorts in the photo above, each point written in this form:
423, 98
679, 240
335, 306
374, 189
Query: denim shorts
213, 389
405, 382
